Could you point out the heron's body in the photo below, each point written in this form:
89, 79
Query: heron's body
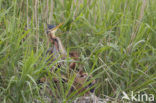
57, 52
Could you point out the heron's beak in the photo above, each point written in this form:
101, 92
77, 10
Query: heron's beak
53, 30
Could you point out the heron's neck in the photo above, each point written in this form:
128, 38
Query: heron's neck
60, 47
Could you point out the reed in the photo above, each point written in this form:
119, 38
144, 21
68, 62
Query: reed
115, 40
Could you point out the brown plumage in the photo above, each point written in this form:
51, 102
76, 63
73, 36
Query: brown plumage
58, 51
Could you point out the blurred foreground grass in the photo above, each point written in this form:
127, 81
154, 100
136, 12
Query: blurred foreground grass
116, 40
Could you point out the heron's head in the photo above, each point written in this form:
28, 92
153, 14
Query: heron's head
52, 29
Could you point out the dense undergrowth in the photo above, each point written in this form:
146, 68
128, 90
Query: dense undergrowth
116, 40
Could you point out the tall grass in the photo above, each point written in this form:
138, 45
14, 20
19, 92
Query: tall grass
115, 39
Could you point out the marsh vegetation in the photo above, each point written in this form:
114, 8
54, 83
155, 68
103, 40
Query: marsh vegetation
115, 39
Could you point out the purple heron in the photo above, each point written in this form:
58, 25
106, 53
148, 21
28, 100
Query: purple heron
58, 51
